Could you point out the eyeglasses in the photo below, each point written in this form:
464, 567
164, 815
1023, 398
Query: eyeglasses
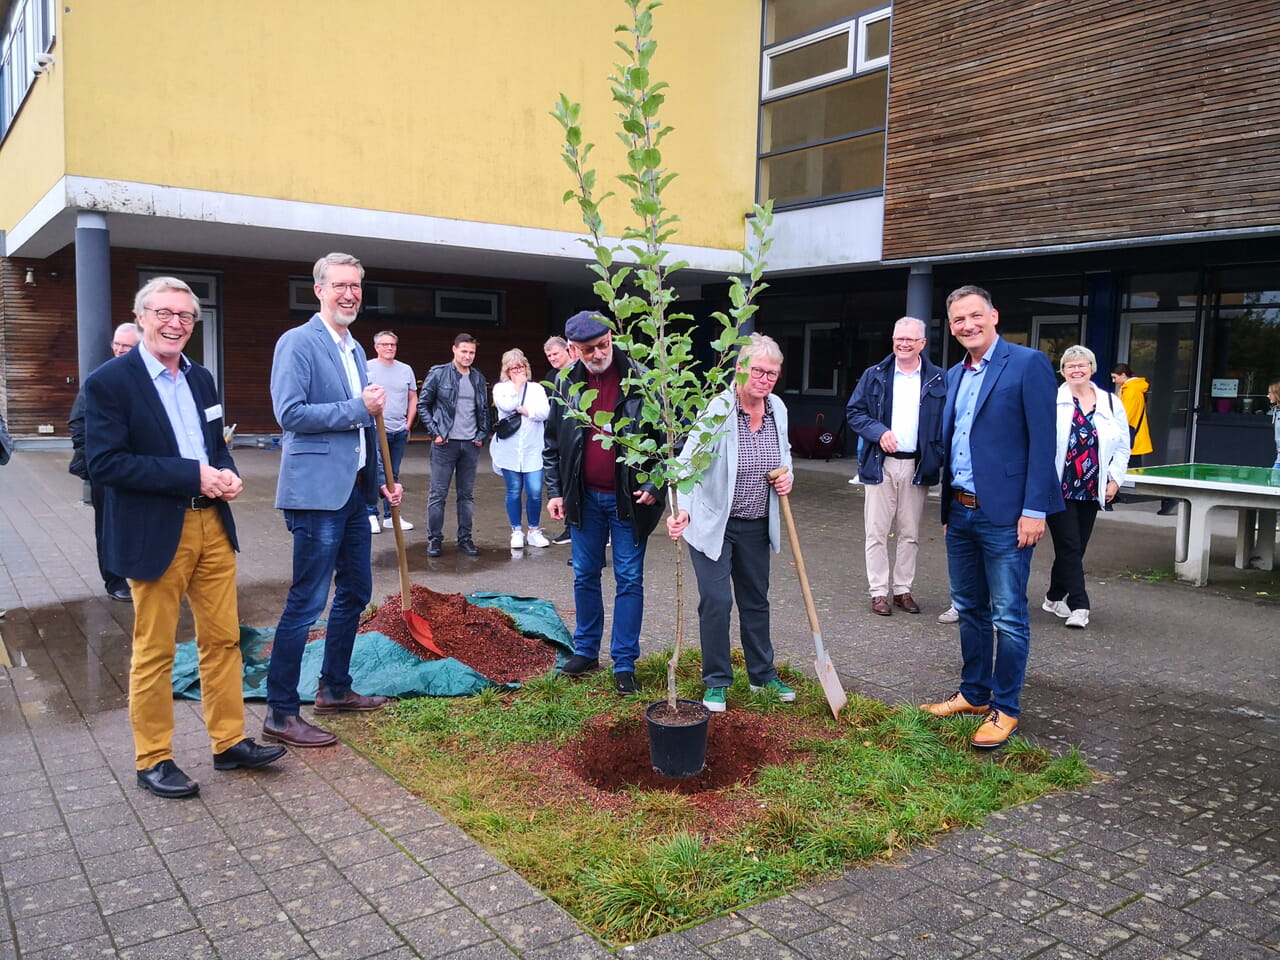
344, 287
590, 349
386, 343
164, 315
759, 373
908, 340
1077, 366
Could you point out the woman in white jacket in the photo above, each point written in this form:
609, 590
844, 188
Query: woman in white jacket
518, 458
1093, 455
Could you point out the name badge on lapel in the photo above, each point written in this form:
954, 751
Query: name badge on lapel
213, 413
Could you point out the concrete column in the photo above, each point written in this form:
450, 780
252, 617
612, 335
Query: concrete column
93, 291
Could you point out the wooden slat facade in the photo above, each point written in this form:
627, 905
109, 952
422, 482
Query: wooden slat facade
1018, 124
38, 330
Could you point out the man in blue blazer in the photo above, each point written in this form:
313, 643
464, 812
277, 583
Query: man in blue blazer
330, 474
998, 485
153, 442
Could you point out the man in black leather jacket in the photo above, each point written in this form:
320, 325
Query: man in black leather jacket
453, 406
599, 496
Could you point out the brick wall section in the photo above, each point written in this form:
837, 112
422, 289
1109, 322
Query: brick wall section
1017, 125
38, 330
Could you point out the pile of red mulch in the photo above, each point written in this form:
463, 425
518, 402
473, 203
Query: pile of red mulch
481, 637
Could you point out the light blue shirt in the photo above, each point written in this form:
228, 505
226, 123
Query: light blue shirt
961, 431
179, 405
346, 350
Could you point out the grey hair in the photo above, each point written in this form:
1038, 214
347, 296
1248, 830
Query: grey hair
127, 328
386, 333
1078, 352
924, 329
560, 342
321, 269
155, 285
760, 346
968, 290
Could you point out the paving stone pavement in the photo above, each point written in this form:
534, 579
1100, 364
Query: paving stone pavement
1171, 693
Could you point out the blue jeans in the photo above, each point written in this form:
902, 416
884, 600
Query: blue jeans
989, 590
327, 544
396, 442
599, 520
449, 459
530, 484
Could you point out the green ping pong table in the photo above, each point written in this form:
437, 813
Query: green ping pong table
1253, 492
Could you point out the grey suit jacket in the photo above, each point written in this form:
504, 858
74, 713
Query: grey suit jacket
321, 422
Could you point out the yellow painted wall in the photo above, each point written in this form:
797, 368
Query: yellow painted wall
32, 155
422, 106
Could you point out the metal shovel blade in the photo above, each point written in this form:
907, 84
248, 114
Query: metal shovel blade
829, 679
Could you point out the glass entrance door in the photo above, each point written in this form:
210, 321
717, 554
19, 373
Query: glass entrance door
1161, 347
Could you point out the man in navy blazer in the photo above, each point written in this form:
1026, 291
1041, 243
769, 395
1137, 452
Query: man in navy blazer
330, 475
998, 485
154, 443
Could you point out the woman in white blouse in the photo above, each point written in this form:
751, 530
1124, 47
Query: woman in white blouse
518, 458
1093, 455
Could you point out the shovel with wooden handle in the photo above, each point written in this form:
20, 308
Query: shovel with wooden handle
419, 628
827, 675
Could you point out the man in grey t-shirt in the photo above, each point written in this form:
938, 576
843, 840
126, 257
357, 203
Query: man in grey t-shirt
401, 386
454, 408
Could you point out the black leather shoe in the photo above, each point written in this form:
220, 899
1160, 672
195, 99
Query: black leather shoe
469, 548
349, 702
295, 731
166, 780
434, 547
578, 665
624, 682
247, 754
123, 594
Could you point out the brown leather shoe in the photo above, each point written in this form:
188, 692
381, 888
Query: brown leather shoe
996, 728
351, 702
296, 732
954, 704
906, 602
880, 607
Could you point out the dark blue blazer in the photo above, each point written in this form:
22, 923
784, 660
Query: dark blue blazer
133, 455
1014, 436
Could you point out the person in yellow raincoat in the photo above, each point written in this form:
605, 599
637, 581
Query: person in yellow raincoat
1133, 394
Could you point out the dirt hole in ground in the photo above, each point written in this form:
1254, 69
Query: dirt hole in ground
613, 753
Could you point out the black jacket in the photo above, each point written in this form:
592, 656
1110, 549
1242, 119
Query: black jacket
562, 454
438, 399
870, 411
78, 466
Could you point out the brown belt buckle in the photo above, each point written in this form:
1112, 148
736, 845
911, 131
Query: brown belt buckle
966, 499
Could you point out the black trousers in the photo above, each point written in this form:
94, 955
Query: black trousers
1071, 530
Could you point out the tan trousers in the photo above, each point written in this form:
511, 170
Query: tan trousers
895, 498
203, 570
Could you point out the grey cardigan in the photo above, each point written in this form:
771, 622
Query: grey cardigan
710, 501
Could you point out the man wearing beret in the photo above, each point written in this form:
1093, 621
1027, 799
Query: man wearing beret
600, 496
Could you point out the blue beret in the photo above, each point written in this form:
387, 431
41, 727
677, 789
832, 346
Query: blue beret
584, 326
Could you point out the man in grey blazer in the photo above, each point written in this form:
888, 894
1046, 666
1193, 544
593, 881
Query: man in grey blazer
330, 474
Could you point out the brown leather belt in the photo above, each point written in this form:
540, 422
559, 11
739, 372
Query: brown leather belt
966, 499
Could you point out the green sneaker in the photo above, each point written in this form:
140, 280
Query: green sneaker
785, 693
713, 699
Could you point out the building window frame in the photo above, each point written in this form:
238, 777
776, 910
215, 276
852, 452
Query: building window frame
768, 92
865, 22
302, 298
28, 36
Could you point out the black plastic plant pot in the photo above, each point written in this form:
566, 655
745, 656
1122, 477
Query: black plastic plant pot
677, 740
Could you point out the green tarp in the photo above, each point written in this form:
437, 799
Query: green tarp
379, 666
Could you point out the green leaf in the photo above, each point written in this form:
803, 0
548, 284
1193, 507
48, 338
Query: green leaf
652, 158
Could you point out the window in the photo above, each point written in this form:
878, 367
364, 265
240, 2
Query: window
410, 303
24, 46
1244, 339
824, 96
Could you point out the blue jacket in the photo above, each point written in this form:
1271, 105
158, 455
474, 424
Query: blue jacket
132, 454
320, 445
1013, 435
870, 412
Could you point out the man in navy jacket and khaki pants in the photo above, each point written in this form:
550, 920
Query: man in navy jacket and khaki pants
153, 440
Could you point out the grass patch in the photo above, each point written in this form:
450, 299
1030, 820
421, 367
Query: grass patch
634, 863
1150, 575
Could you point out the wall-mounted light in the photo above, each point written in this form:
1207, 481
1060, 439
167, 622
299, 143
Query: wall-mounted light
31, 277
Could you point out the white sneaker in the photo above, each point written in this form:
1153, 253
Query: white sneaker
536, 539
404, 524
374, 526
1078, 618
517, 539
949, 615
1059, 608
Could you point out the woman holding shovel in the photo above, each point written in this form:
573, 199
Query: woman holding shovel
730, 521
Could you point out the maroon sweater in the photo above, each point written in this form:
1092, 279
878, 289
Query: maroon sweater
597, 462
